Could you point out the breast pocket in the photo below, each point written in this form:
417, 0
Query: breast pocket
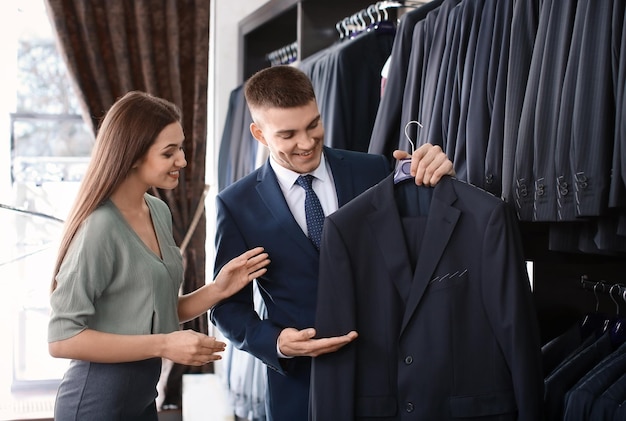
448, 280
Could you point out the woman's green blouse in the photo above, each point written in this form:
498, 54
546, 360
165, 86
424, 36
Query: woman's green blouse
111, 281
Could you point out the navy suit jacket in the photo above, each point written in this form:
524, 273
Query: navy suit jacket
253, 212
456, 338
580, 401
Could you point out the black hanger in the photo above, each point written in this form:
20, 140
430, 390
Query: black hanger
617, 326
595, 322
403, 166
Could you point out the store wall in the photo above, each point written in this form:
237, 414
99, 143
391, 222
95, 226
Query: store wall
223, 78
223, 66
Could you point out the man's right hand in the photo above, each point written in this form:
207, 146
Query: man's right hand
300, 343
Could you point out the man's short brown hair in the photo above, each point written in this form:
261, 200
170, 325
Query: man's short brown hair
280, 86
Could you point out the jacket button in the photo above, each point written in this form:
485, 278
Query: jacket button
408, 360
409, 407
540, 190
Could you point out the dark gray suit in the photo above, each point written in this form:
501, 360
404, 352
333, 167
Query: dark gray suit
580, 400
454, 338
388, 127
346, 78
523, 32
534, 155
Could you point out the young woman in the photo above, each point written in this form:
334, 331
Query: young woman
115, 298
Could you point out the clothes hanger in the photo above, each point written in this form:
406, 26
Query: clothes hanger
403, 166
595, 322
384, 24
370, 14
617, 328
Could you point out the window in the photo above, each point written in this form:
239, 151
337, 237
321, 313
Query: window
47, 146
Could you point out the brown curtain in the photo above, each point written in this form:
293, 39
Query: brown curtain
160, 47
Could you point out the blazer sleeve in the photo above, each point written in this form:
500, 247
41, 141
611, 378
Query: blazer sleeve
236, 317
508, 302
332, 375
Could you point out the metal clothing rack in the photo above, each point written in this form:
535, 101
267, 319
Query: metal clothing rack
284, 55
348, 27
371, 16
614, 289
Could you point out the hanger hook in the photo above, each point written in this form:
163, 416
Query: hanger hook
338, 28
406, 133
613, 298
595, 294
370, 13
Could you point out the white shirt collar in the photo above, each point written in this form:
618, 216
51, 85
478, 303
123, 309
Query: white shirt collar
287, 178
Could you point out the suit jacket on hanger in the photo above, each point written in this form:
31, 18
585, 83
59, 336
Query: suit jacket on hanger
455, 338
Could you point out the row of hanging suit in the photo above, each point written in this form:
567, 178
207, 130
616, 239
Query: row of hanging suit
527, 99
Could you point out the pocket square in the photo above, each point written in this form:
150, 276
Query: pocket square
449, 276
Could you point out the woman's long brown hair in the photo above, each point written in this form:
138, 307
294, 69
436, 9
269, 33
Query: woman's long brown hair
126, 133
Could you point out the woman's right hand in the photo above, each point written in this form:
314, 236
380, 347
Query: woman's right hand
189, 347
240, 271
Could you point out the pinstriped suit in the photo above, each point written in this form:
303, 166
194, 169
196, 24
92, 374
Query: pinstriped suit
534, 157
429, 39
617, 193
523, 32
622, 141
605, 24
554, 63
387, 126
427, 107
474, 129
593, 122
608, 403
493, 158
447, 87
580, 399
563, 184
467, 24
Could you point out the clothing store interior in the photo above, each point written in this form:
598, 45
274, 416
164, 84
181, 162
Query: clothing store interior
526, 98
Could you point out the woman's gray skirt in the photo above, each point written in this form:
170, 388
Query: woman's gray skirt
95, 391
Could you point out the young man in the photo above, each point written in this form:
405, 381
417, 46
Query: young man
267, 208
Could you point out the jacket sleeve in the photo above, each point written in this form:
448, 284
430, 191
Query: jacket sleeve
332, 375
236, 317
508, 302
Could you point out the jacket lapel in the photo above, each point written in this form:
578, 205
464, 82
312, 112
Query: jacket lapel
271, 195
387, 228
341, 175
442, 218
